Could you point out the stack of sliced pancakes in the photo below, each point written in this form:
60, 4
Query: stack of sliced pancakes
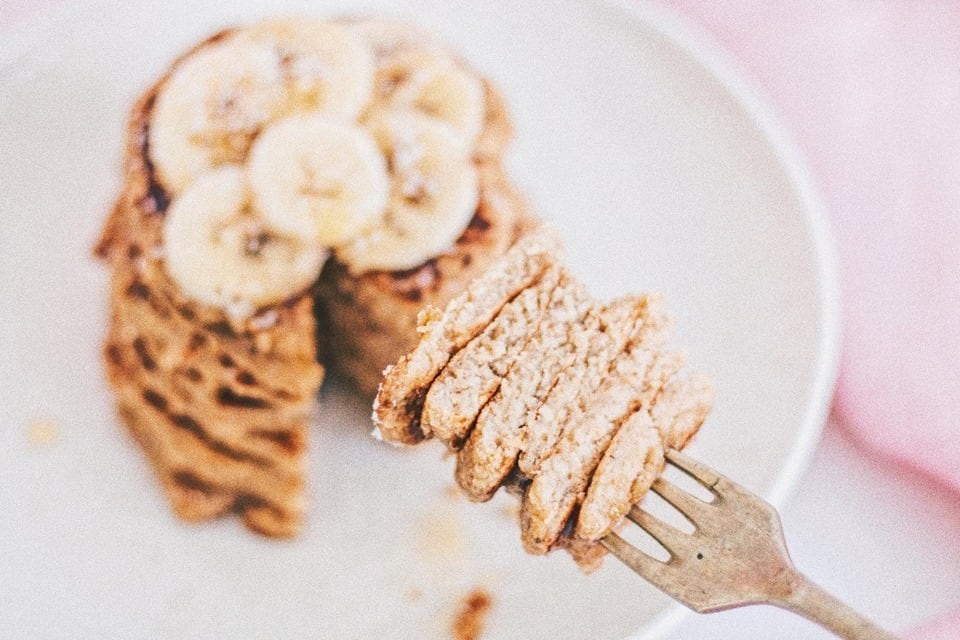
536, 385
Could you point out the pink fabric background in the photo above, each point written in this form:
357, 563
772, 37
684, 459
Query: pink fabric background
871, 92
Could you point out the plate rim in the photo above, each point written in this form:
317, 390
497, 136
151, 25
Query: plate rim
701, 48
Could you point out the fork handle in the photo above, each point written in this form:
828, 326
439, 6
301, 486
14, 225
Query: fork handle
814, 603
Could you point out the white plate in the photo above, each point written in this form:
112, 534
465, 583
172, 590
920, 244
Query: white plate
657, 165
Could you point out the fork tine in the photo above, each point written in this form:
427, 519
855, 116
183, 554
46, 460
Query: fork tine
693, 508
674, 540
642, 563
693, 468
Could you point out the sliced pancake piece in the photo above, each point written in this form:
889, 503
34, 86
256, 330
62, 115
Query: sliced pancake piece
633, 381
474, 373
629, 466
228, 388
492, 448
399, 401
596, 350
682, 407
635, 457
203, 483
587, 554
220, 408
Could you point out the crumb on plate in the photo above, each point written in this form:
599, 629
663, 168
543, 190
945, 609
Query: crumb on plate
471, 615
42, 432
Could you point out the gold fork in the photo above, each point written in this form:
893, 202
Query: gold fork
736, 555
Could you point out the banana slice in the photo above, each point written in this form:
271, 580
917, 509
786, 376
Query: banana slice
210, 108
326, 67
433, 195
440, 88
221, 253
432, 83
415, 72
318, 178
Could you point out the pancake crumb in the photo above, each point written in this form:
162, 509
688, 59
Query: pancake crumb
471, 616
42, 433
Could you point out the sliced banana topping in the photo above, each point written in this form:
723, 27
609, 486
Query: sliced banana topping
326, 67
221, 253
256, 138
433, 194
211, 107
318, 178
438, 87
219, 98
413, 70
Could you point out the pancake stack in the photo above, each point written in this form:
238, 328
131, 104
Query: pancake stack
294, 192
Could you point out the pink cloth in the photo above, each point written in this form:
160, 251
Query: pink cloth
946, 628
871, 92
13, 12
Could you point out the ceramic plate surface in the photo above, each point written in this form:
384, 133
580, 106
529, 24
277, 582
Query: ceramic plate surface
660, 170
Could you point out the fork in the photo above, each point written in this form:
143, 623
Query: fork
736, 555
